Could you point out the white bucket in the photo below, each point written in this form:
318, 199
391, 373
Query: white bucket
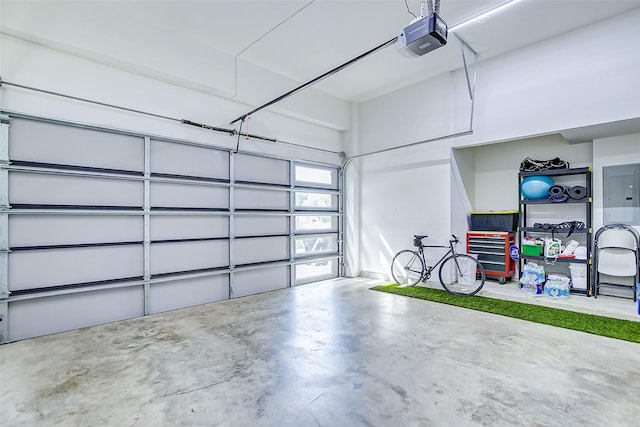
578, 275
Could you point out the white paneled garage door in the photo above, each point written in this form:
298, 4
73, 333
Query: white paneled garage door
100, 225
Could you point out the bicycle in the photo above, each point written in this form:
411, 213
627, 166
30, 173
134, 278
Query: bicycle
459, 274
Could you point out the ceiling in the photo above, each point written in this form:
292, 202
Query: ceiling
302, 39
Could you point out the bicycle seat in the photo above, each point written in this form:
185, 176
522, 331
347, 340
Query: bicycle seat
417, 240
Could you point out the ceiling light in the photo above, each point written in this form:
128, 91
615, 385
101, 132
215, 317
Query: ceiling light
483, 15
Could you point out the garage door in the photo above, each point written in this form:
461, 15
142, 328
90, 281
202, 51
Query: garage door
101, 225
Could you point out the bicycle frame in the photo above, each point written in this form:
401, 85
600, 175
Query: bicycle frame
428, 269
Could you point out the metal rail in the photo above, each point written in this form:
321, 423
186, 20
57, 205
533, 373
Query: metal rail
317, 79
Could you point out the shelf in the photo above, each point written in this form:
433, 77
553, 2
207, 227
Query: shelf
574, 171
558, 210
547, 202
541, 258
555, 231
580, 291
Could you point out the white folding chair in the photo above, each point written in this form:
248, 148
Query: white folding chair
616, 259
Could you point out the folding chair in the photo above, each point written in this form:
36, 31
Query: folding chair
616, 260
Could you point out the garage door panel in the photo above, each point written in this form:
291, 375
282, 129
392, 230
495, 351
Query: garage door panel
188, 227
42, 142
260, 249
187, 293
261, 169
188, 196
43, 316
54, 267
41, 230
316, 270
256, 281
246, 198
46, 189
186, 256
194, 161
260, 225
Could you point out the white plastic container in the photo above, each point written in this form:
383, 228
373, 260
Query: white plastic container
552, 248
578, 275
580, 252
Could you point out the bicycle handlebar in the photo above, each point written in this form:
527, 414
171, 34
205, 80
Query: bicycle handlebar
455, 239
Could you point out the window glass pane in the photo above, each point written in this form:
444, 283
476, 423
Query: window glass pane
313, 271
313, 200
311, 245
315, 222
314, 175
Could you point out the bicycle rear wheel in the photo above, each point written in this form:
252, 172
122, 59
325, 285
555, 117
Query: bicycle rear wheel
462, 275
407, 267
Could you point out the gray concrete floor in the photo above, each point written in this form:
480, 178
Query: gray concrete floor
327, 354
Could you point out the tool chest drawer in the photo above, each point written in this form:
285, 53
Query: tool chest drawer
492, 250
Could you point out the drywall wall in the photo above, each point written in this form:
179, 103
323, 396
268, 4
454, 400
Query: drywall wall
139, 46
494, 176
436, 107
42, 67
351, 200
402, 194
541, 90
548, 87
496, 167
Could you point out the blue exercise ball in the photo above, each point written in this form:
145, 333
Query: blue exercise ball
536, 187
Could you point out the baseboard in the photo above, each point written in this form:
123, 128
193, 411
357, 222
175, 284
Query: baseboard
374, 275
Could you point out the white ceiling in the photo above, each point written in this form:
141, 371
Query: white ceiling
302, 39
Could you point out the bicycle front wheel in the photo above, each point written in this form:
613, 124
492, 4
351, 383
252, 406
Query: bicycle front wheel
407, 267
462, 275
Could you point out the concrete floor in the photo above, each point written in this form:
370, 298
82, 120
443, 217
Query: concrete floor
326, 354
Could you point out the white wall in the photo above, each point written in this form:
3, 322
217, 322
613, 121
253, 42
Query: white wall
577, 79
586, 77
102, 33
496, 167
495, 174
402, 194
45, 68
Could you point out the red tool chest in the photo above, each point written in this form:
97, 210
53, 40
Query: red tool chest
492, 249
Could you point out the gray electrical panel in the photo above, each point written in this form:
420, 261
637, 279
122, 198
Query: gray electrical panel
621, 194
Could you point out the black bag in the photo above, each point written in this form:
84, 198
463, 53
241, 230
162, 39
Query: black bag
569, 226
531, 165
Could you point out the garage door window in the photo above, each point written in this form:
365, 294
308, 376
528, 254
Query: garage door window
312, 200
315, 176
316, 223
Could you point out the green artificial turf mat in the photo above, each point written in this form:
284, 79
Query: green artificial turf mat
606, 326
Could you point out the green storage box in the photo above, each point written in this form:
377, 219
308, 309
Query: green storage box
532, 250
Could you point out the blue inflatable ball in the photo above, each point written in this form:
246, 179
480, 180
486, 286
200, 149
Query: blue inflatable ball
536, 187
